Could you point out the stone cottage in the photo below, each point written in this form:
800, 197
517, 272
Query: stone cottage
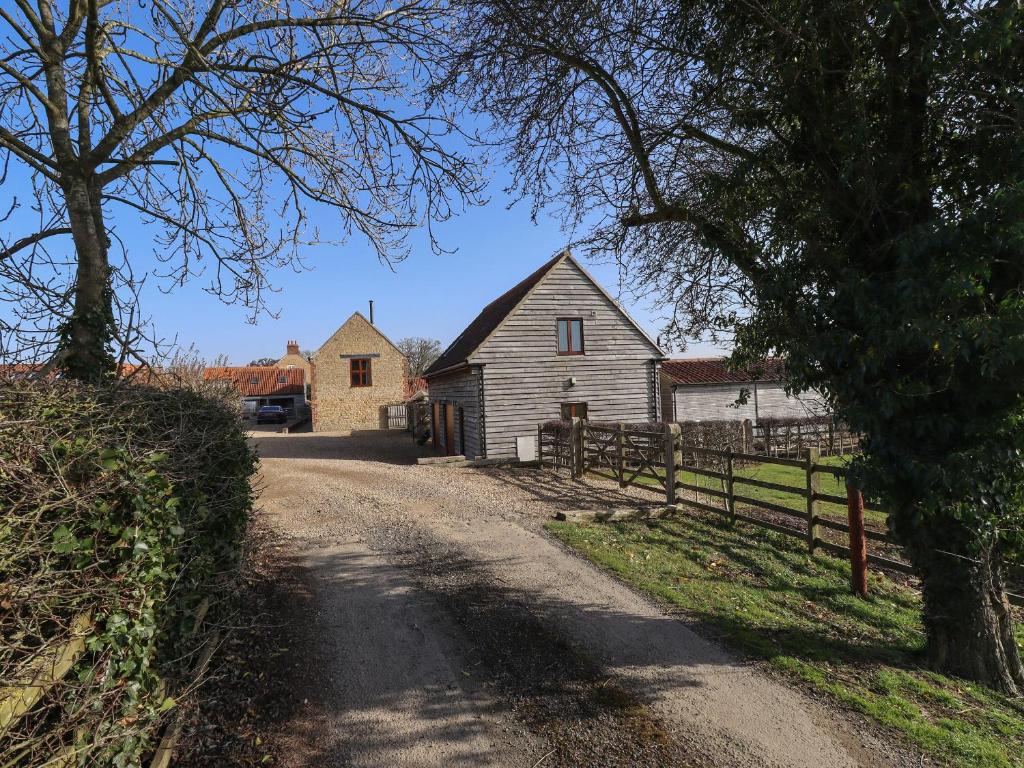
356, 374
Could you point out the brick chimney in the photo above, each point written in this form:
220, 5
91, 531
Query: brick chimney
293, 348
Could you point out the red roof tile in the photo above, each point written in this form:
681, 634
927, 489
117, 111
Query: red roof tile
713, 370
260, 381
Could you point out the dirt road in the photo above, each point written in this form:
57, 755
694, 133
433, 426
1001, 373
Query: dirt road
451, 631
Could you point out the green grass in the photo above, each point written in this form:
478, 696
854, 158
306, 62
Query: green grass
794, 476
774, 602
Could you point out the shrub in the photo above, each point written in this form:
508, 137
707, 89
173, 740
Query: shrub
121, 507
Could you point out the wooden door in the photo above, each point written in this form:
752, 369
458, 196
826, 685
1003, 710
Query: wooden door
449, 429
435, 428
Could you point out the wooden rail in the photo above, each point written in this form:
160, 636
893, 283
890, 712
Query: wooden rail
648, 458
50, 667
42, 673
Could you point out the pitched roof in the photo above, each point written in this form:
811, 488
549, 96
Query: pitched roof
714, 370
490, 317
260, 381
373, 327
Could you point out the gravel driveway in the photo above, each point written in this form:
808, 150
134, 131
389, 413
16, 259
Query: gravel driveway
453, 632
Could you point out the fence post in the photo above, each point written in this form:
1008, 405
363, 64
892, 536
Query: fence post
620, 454
671, 434
858, 541
811, 456
576, 447
730, 488
747, 437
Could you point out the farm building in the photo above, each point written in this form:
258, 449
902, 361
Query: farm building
703, 389
264, 385
554, 346
357, 373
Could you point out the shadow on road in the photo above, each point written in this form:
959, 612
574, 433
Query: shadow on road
386, 446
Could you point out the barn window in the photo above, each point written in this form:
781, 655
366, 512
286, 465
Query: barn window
570, 336
360, 370
572, 410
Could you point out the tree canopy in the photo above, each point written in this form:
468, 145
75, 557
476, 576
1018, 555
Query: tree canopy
840, 183
420, 352
220, 124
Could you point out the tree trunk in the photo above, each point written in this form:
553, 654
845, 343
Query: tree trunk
967, 616
87, 334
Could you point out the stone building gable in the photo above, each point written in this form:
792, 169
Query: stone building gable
339, 406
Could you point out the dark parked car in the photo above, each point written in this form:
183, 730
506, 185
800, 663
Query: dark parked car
272, 414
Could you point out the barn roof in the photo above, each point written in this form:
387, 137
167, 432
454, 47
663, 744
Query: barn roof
490, 317
260, 381
714, 370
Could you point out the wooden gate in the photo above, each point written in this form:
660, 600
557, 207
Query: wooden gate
397, 416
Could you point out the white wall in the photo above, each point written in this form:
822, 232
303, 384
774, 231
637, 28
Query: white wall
706, 402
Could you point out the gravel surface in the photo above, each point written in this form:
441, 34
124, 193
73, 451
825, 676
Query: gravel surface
450, 630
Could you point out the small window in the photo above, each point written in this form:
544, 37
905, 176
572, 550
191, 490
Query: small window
360, 369
570, 336
254, 381
282, 379
573, 410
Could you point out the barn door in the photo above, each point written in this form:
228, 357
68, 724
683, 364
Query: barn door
435, 428
449, 429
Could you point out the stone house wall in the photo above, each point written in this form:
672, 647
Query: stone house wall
339, 406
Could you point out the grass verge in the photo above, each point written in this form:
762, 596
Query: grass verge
771, 600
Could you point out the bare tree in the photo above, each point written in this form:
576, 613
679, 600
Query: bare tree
219, 123
590, 101
837, 185
420, 352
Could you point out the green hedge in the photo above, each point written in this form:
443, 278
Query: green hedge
127, 505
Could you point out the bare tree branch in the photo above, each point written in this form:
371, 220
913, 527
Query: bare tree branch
222, 122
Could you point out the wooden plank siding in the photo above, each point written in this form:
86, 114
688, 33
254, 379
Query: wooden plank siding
525, 381
462, 389
705, 402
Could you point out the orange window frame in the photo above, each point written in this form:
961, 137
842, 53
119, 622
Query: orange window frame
361, 372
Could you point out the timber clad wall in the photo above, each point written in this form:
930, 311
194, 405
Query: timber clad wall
337, 405
463, 390
704, 402
526, 381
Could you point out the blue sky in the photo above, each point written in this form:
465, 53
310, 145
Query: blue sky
425, 295
433, 295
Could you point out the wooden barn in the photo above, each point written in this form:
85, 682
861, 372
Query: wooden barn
705, 389
556, 345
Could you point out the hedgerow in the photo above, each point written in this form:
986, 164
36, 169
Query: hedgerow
121, 508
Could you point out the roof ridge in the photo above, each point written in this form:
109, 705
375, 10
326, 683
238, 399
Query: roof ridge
490, 317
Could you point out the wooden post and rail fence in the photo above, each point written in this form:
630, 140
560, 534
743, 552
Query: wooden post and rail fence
713, 481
